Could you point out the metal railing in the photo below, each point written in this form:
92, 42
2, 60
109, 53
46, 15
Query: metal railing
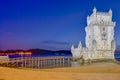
38, 62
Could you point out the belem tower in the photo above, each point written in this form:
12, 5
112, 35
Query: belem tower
100, 42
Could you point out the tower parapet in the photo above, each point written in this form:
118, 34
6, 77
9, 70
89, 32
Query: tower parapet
101, 18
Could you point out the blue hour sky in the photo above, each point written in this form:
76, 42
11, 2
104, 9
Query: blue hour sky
49, 24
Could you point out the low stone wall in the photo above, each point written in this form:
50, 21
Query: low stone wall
81, 61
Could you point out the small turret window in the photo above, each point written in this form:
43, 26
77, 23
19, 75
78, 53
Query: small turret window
103, 28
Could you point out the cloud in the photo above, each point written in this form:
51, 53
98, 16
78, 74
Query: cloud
56, 42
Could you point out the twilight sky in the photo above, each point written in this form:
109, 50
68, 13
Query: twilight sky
49, 24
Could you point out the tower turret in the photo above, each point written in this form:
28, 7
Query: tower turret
110, 12
72, 48
80, 45
94, 10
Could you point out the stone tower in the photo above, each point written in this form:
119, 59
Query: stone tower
100, 43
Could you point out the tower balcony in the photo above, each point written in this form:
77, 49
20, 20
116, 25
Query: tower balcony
98, 23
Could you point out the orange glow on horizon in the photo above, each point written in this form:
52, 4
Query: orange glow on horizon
28, 52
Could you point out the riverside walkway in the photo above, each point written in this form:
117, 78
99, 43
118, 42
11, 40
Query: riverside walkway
38, 62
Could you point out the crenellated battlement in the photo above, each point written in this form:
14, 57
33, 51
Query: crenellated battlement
100, 18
